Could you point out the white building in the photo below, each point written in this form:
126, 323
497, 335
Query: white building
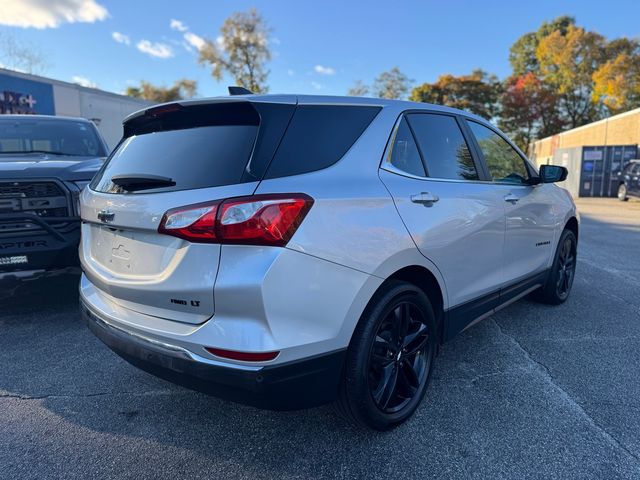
32, 94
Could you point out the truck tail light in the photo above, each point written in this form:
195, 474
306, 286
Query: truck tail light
270, 219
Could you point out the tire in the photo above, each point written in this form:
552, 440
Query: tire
557, 288
622, 193
384, 383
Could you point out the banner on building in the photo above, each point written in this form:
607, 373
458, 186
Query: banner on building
19, 95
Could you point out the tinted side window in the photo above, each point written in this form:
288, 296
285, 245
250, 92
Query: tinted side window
318, 136
443, 147
404, 153
504, 163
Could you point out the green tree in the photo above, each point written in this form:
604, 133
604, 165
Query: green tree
359, 89
180, 90
21, 56
617, 84
391, 84
241, 51
568, 63
478, 92
522, 54
619, 46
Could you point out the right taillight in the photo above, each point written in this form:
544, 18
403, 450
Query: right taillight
262, 219
270, 219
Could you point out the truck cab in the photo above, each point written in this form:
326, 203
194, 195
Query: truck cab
45, 162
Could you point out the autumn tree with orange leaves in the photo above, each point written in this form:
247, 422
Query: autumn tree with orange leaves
528, 109
563, 76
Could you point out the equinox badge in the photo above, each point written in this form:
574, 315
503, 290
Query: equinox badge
106, 216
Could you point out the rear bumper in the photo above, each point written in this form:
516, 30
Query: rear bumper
288, 386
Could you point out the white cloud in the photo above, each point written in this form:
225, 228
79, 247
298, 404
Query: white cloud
83, 81
322, 70
291, 73
121, 38
317, 86
194, 40
50, 13
155, 49
178, 25
191, 40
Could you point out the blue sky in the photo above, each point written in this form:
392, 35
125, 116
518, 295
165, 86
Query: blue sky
349, 40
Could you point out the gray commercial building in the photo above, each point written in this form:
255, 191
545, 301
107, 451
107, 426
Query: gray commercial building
31, 94
593, 153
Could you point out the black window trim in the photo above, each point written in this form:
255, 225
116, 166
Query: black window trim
385, 165
533, 173
388, 166
417, 144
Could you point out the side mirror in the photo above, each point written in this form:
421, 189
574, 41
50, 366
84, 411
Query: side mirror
553, 174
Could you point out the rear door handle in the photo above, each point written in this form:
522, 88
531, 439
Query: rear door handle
511, 198
425, 198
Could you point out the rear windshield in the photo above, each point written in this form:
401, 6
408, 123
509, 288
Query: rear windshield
192, 158
58, 137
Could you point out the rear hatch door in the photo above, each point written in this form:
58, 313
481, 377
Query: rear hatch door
172, 156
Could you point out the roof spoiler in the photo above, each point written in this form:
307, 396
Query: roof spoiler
239, 91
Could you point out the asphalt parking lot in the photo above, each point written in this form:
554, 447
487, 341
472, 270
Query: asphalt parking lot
532, 392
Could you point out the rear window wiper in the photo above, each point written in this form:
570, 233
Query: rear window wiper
133, 182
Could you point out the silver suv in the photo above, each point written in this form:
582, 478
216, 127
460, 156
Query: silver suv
288, 251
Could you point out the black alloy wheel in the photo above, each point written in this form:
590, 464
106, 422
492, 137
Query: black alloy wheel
400, 357
390, 357
557, 287
566, 267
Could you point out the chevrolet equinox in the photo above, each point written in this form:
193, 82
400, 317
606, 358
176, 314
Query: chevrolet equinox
288, 251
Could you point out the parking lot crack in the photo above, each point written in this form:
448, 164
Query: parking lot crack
545, 372
84, 395
612, 271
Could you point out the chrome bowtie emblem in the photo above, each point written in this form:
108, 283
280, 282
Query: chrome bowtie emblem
106, 216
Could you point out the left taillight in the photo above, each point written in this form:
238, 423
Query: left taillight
270, 219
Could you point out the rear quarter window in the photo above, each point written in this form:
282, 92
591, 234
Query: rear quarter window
318, 136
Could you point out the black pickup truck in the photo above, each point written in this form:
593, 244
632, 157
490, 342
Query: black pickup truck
45, 162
